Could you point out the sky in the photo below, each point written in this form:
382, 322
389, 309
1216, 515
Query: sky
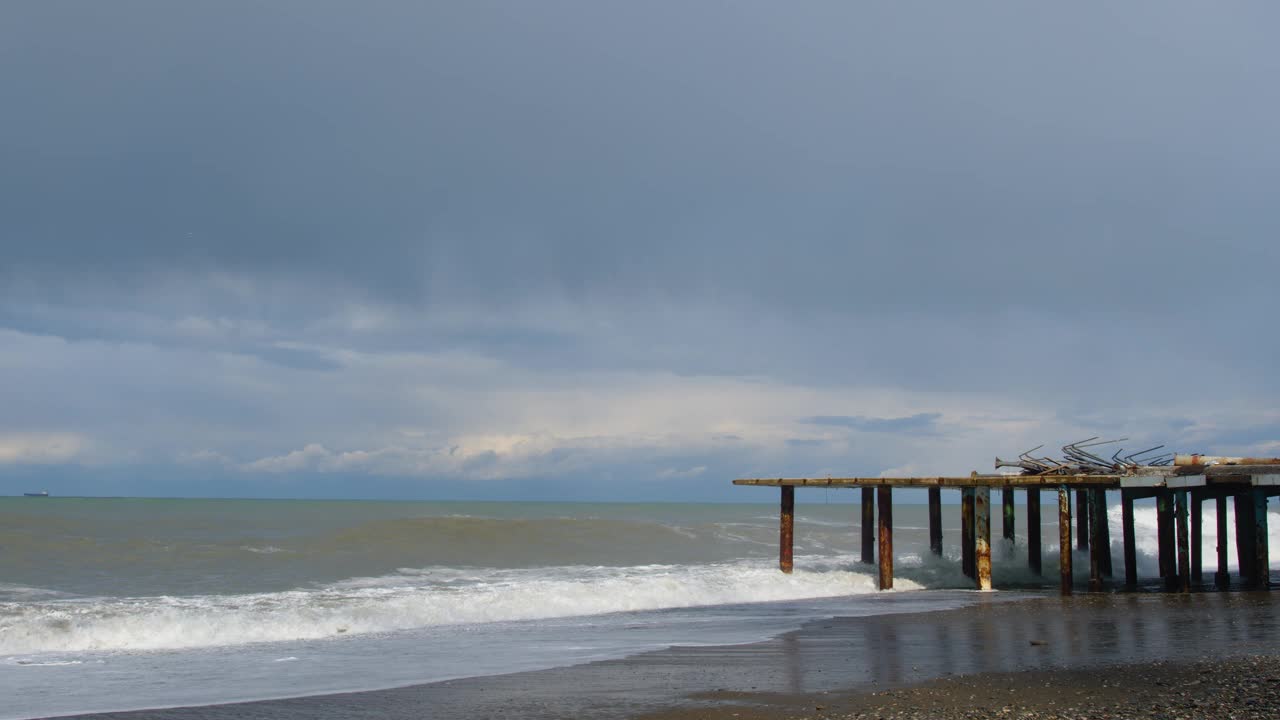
625, 251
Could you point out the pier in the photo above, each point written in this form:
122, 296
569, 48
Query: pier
1179, 490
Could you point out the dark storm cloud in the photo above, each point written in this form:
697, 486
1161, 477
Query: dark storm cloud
871, 158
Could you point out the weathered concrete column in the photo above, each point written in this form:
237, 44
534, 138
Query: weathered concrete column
1007, 519
1222, 578
786, 528
1196, 510
1130, 544
1261, 557
1095, 543
982, 536
1102, 533
868, 525
1244, 535
1064, 540
967, 564
885, 501
1082, 519
1184, 556
1033, 530
1165, 540
935, 520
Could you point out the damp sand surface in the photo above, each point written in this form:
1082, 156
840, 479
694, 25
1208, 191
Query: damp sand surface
1118, 655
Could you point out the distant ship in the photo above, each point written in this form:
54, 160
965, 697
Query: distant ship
42, 493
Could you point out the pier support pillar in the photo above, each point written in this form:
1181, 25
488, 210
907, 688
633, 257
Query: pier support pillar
1033, 530
1197, 537
1095, 543
1008, 518
1105, 534
868, 525
786, 527
1082, 519
1222, 578
1130, 543
935, 520
1261, 554
884, 499
1165, 540
982, 532
966, 533
1184, 555
1244, 536
1100, 529
1064, 540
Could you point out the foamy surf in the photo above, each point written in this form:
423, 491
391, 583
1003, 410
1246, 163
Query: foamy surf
417, 599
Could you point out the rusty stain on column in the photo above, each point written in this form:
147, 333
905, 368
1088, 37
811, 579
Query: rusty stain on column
1130, 543
885, 502
1033, 530
1064, 540
1082, 519
1222, 578
935, 520
982, 536
1197, 537
1095, 543
1261, 559
786, 528
868, 525
1184, 554
966, 532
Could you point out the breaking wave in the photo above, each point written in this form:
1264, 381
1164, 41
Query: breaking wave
406, 600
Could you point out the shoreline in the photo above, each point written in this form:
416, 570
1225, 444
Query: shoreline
852, 660
1243, 688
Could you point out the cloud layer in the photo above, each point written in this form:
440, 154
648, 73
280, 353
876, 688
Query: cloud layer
309, 248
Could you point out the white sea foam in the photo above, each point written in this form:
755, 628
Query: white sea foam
439, 596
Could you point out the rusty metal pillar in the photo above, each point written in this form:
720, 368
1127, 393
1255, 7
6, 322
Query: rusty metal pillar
1222, 578
786, 528
1033, 530
1095, 543
1261, 554
1197, 537
1064, 540
1165, 540
966, 533
884, 497
1244, 536
1082, 519
1008, 519
1184, 555
982, 536
1130, 543
868, 525
935, 520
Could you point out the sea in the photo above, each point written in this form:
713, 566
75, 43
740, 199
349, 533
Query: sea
129, 603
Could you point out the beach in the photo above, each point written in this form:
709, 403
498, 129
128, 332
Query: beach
1118, 655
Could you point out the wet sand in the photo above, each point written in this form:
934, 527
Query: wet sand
964, 661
